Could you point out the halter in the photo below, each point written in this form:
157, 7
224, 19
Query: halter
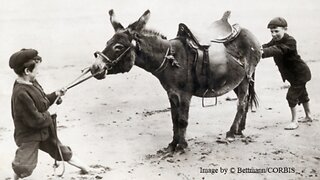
110, 63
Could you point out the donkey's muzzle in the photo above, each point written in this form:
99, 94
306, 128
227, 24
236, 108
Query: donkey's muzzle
99, 68
97, 72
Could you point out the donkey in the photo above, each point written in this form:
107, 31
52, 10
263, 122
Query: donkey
179, 67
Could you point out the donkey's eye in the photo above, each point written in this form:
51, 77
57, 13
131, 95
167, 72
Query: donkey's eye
118, 47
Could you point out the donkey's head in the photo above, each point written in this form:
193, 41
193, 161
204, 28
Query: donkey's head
119, 54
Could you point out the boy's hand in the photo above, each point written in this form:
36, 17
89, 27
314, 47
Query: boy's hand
58, 100
61, 92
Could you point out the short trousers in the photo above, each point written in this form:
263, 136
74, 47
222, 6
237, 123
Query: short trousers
297, 94
26, 157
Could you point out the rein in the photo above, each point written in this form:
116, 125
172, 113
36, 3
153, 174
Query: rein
109, 65
84, 72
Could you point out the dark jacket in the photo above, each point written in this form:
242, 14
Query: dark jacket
29, 108
286, 57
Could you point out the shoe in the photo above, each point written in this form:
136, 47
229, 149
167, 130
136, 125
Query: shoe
292, 126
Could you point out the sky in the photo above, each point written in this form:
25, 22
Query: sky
67, 33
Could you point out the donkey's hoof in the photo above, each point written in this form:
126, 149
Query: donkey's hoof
171, 147
181, 147
230, 139
230, 136
239, 134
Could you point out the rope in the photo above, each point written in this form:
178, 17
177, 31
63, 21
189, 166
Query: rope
54, 123
55, 136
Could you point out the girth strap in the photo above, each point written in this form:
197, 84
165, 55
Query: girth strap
206, 69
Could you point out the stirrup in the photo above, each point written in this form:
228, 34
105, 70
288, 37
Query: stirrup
204, 94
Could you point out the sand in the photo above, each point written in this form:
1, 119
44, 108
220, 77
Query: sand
120, 123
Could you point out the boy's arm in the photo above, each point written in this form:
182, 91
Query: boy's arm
27, 111
271, 51
267, 44
52, 97
279, 49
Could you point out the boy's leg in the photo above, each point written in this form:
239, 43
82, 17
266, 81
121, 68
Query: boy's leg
75, 161
294, 121
56, 149
51, 146
307, 111
293, 94
293, 114
25, 160
304, 99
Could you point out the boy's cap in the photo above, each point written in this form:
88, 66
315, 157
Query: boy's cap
24, 55
277, 22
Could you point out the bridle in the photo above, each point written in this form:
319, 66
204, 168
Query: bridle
109, 64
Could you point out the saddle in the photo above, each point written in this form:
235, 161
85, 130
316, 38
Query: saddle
219, 31
217, 35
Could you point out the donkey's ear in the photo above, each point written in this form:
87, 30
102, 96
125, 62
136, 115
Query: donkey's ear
116, 25
141, 23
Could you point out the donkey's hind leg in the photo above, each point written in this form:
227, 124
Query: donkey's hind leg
242, 123
242, 108
243, 120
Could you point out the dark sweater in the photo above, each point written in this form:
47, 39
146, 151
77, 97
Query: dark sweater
286, 57
29, 108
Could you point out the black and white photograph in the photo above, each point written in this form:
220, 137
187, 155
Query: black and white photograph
159, 89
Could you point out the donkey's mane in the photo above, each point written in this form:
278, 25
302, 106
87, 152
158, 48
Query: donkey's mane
153, 33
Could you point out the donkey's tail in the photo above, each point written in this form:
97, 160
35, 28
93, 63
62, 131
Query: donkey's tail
252, 98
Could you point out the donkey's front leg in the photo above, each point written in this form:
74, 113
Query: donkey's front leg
180, 113
174, 103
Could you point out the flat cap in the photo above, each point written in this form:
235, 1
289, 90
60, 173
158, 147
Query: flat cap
277, 22
24, 55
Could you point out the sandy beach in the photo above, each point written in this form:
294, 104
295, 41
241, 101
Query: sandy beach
120, 123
